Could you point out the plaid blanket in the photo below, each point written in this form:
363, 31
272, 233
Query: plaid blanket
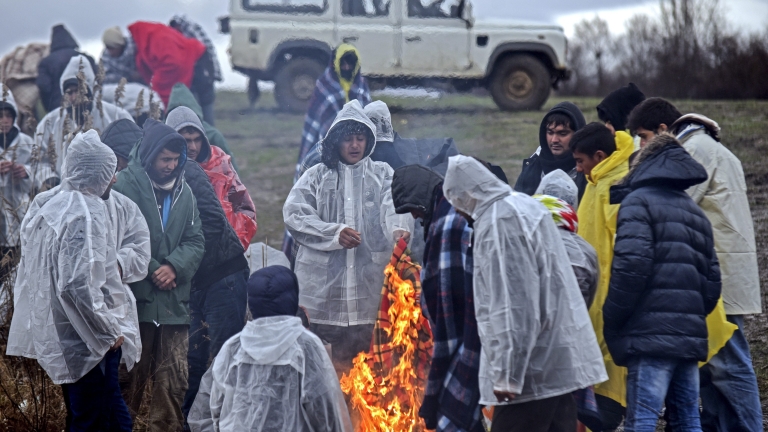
193, 30
326, 102
452, 393
117, 68
382, 356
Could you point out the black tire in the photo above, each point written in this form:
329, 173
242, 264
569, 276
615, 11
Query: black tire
295, 83
253, 91
520, 82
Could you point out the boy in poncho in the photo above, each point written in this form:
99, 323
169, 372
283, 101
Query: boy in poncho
341, 214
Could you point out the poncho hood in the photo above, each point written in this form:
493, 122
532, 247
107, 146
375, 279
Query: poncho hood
379, 114
181, 96
352, 111
559, 185
548, 161
625, 146
340, 52
61, 39
121, 136
182, 117
90, 165
72, 69
270, 340
471, 187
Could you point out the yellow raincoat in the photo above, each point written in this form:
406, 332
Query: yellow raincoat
597, 217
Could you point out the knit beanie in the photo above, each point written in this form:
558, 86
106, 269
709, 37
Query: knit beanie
113, 38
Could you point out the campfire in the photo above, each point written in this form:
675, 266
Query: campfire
386, 386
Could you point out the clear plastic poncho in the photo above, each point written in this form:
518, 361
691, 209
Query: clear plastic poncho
56, 129
274, 376
15, 192
560, 185
67, 281
537, 338
379, 114
343, 286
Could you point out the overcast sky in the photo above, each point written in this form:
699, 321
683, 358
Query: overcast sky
24, 21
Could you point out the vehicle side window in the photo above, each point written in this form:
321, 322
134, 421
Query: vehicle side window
315, 7
433, 8
367, 8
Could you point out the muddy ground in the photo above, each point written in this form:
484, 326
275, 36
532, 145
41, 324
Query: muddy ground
266, 143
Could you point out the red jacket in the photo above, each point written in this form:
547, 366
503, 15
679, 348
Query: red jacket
234, 198
164, 56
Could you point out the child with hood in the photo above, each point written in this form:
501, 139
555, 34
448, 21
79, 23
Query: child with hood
341, 214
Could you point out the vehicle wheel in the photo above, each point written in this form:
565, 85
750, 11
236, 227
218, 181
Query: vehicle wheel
253, 91
520, 82
295, 83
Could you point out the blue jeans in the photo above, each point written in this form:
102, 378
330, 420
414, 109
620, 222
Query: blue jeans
94, 402
650, 381
730, 398
217, 314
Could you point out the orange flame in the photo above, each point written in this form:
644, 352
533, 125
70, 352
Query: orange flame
390, 403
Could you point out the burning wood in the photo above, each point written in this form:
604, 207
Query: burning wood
386, 386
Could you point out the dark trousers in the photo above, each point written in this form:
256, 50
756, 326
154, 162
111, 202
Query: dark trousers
557, 414
217, 314
94, 402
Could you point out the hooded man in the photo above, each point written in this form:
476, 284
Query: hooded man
554, 152
154, 180
50, 69
58, 127
730, 397
231, 192
15, 178
119, 57
452, 395
615, 108
68, 287
538, 345
341, 214
218, 296
274, 376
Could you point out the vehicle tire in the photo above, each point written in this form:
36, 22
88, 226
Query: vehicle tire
253, 91
295, 83
520, 82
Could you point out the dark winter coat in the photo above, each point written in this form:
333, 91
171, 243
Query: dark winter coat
180, 244
544, 162
665, 277
223, 250
63, 48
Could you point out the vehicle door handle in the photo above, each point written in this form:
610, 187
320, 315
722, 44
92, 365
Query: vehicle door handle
348, 39
413, 39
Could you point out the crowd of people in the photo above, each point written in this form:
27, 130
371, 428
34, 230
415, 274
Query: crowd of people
609, 285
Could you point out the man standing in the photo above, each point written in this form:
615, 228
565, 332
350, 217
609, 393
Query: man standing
452, 395
218, 296
154, 180
554, 152
63, 48
538, 343
730, 397
67, 285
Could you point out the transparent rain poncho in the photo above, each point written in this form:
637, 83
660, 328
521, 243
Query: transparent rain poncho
559, 185
274, 376
379, 114
537, 338
343, 286
67, 281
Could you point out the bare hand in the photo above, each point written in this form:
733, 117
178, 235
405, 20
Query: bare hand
400, 234
5, 167
349, 238
19, 172
165, 277
504, 396
118, 343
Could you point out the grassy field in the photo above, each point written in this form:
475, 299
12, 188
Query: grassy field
266, 141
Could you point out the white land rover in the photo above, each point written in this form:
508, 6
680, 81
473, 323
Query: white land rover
401, 43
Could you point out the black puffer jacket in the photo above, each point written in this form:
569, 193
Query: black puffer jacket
665, 277
538, 165
223, 250
63, 48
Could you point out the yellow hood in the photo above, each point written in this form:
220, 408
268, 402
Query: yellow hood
342, 50
625, 146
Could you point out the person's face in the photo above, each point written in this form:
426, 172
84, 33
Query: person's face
115, 51
194, 142
71, 93
352, 148
347, 66
559, 139
585, 164
105, 196
6, 121
165, 163
122, 163
647, 135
